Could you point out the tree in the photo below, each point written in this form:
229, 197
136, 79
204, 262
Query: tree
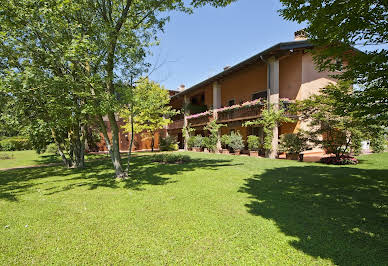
149, 109
335, 26
270, 118
331, 126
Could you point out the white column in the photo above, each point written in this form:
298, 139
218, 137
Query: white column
216, 95
273, 99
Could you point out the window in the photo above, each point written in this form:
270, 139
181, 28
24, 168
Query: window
258, 95
231, 102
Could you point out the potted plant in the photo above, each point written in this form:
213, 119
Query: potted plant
254, 145
190, 143
293, 144
197, 143
236, 143
225, 140
206, 144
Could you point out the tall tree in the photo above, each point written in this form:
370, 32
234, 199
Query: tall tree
337, 25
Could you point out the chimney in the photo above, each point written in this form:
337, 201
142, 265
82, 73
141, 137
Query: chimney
300, 35
226, 68
181, 88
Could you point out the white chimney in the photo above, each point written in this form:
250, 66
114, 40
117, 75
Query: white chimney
300, 35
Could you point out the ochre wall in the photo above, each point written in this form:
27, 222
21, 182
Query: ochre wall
242, 84
290, 76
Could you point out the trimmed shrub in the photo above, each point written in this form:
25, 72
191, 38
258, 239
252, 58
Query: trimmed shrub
293, 143
52, 148
209, 143
15, 144
378, 142
235, 141
168, 143
190, 142
168, 158
225, 140
254, 143
343, 160
6, 156
197, 142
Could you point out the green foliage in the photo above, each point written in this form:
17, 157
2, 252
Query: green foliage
334, 26
190, 142
225, 140
52, 148
198, 141
15, 144
293, 143
235, 141
254, 143
270, 118
6, 156
378, 142
168, 143
332, 126
170, 158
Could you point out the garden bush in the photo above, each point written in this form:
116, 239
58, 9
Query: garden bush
198, 141
254, 143
6, 156
342, 160
52, 148
190, 142
293, 143
15, 144
377, 143
235, 141
168, 158
168, 143
225, 140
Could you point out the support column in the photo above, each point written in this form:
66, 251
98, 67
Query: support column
216, 95
185, 123
273, 99
216, 105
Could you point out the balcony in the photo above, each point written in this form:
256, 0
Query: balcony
239, 113
177, 124
199, 120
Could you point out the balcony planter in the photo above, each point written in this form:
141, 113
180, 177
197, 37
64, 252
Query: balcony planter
254, 153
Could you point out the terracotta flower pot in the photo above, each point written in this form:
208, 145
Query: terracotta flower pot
206, 150
254, 153
196, 149
292, 156
237, 152
225, 151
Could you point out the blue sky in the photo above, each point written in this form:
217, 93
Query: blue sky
195, 47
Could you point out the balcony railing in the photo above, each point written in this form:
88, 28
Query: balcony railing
242, 113
201, 120
177, 124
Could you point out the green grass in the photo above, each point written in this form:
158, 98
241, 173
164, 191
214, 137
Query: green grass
215, 209
27, 158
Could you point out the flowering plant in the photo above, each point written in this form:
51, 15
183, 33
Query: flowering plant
342, 160
245, 104
199, 114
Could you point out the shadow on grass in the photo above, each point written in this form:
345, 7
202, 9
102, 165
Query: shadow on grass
14, 183
336, 213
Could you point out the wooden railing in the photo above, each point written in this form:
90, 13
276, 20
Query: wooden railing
244, 113
200, 121
177, 124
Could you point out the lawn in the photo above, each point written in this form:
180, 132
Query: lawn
26, 158
216, 209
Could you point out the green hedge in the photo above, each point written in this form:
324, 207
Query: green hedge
15, 144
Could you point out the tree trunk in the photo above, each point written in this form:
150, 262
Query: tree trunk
152, 141
66, 162
115, 146
130, 145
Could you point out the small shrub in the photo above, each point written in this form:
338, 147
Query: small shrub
15, 144
168, 158
342, 160
235, 141
293, 143
169, 143
225, 140
197, 143
52, 148
377, 143
190, 142
6, 156
209, 143
253, 143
